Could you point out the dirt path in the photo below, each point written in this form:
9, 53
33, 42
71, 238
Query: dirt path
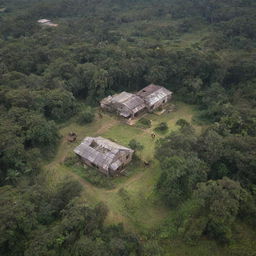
61, 154
95, 195
139, 185
106, 126
128, 182
90, 188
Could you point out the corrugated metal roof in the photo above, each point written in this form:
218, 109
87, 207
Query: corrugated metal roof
43, 21
106, 100
99, 151
148, 90
47, 22
153, 94
114, 166
134, 103
129, 102
121, 97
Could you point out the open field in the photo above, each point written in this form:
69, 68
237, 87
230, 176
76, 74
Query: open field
132, 199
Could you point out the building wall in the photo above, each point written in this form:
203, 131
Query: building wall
141, 112
85, 161
121, 108
116, 108
159, 103
125, 159
107, 107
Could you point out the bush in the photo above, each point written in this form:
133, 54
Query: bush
70, 161
93, 176
144, 123
86, 116
135, 145
182, 123
162, 127
60, 105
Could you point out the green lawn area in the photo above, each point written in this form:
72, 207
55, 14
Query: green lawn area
132, 199
140, 210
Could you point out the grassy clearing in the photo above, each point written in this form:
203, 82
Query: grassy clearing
139, 210
131, 199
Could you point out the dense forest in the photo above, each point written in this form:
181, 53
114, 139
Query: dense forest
202, 50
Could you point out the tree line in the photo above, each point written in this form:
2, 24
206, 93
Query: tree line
48, 76
210, 180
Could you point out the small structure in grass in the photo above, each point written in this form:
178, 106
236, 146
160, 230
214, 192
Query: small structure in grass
154, 96
108, 157
125, 104
45, 22
72, 137
153, 135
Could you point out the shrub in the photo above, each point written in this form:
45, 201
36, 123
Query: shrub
144, 123
86, 116
182, 123
70, 161
135, 145
162, 127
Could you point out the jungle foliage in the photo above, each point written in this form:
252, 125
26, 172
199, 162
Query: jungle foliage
50, 75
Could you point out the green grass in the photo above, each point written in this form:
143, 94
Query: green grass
122, 134
92, 176
131, 199
142, 212
243, 244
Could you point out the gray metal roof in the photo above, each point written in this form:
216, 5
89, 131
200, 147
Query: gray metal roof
129, 101
134, 103
121, 97
114, 166
153, 94
106, 100
101, 152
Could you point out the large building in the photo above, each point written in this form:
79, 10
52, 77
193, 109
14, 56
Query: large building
154, 96
125, 104
104, 155
130, 105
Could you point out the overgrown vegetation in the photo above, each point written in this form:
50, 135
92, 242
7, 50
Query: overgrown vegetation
202, 50
58, 223
144, 123
89, 174
162, 127
208, 178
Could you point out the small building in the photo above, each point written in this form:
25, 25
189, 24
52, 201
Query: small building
3, 9
126, 104
103, 154
46, 22
154, 96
